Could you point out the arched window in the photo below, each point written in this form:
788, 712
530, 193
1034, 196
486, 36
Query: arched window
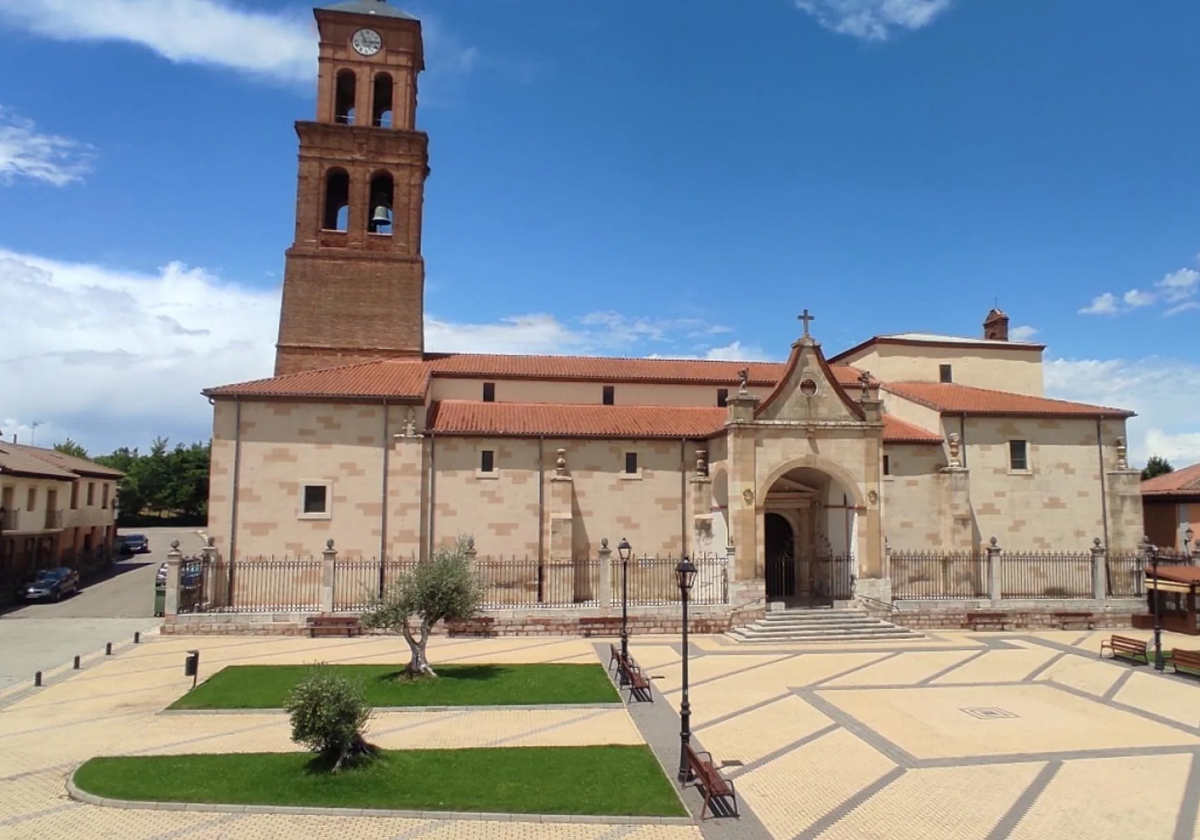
337, 200
344, 95
381, 204
381, 109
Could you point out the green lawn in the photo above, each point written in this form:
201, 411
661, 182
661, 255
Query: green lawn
267, 686
601, 780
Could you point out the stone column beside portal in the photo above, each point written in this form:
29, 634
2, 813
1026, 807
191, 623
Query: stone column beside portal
1124, 504
993, 570
702, 519
174, 559
1099, 570
606, 577
562, 514
743, 504
328, 571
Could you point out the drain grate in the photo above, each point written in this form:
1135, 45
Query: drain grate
989, 713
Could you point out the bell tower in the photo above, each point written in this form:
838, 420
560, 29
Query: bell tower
354, 278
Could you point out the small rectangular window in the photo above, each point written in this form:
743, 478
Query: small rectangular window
631, 466
74, 495
1018, 455
316, 498
489, 391
722, 397
946, 373
91, 494
31, 499
487, 461
887, 464
610, 395
104, 497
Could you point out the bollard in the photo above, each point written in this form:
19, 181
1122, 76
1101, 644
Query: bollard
37, 679
137, 638
76, 663
108, 649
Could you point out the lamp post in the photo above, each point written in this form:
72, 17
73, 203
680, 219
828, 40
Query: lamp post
1152, 551
624, 550
685, 575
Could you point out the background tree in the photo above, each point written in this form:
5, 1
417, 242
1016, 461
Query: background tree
1156, 466
446, 587
70, 447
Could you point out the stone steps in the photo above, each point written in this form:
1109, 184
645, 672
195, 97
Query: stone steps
819, 625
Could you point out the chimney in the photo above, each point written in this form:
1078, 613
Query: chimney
995, 326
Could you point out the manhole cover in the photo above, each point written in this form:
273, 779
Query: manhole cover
989, 714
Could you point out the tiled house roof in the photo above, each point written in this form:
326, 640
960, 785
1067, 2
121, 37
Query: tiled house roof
76, 466
963, 399
406, 381
898, 431
1184, 482
16, 460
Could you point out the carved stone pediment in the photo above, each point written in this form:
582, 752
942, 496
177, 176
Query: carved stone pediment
808, 392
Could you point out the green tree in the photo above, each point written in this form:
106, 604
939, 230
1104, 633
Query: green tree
445, 587
70, 447
1156, 466
328, 714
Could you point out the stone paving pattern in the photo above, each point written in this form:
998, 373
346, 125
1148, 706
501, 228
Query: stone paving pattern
959, 735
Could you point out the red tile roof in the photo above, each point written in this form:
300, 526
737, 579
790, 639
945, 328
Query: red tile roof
380, 379
15, 460
1184, 482
962, 399
80, 466
898, 431
463, 417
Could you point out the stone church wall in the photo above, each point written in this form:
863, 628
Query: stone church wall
579, 393
912, 496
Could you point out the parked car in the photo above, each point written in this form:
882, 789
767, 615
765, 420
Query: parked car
189, 574
51, 584
133, 544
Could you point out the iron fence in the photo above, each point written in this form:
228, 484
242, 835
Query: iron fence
258, 584
1124, 576
833, 577
651, 581
1046, 575
936, 576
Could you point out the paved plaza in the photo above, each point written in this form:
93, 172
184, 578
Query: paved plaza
959, 735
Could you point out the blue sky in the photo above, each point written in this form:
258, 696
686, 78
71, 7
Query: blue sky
676, 177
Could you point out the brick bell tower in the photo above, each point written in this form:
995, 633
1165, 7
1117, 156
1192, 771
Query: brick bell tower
354, 278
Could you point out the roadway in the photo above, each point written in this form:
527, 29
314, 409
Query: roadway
110, 608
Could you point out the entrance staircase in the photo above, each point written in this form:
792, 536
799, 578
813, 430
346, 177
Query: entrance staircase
820, 625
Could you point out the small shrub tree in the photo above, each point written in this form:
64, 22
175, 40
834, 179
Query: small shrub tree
328, 714
445, 587
1156, 466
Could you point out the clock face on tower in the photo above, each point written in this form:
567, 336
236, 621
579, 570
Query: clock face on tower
366, 42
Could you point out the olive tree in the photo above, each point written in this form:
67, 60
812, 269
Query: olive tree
328, 714
444, 588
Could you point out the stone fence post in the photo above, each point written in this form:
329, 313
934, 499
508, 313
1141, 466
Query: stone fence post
471, 552
174, 560
328, 576
606, 576
1099, 570
993, 570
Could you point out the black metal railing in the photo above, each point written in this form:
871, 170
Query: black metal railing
923, 575
1124, 576
1046, 575
833, 577
652, 580
251, 584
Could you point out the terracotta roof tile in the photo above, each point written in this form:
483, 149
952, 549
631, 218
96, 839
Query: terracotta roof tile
463, 417
899, 431
962, 399
614, 369
15, 459
80, 466
1184, 482
395, 379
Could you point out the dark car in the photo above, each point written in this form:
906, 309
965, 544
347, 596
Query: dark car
51, 584
133, 544
189, 574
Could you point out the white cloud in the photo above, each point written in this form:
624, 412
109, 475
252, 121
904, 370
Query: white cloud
873, 20
1136, 298
1105, 304
111, 357
1179, 285
277, 45
1161, 391
1182, 307
1023, 333
738, 352
27, 153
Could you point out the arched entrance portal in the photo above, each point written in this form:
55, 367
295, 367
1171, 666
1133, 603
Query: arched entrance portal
810, 513
780, 546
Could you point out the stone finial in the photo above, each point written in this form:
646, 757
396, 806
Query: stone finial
865, 379
743, 376
174, 545
1122, 454
329, 545
211, 542
994, 543
1096, 542
701, 462
604, 543
954, 442
560, 464
470, 543
410, 423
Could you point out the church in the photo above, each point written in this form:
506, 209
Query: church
902, 442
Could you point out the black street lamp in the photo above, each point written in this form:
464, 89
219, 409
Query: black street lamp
685, 575
624, 550
1152, 551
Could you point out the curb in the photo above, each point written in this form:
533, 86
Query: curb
552, 707
291, 810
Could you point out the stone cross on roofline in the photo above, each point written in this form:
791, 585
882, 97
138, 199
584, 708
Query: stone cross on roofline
806, 318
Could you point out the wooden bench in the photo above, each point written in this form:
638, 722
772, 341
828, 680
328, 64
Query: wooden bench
999, 620
1126, 648
600, 625
706, 775
334, 625
614, 655
633, 679
1065, 618
1189, 659
479, 625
